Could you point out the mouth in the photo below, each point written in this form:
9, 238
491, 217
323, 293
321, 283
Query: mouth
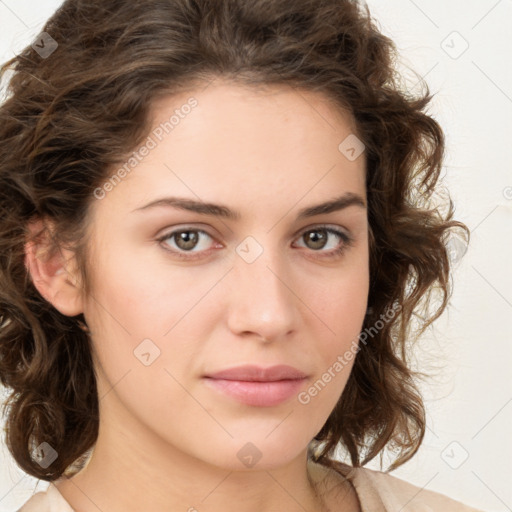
257, 386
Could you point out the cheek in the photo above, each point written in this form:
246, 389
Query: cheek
341, 305
343, 299
141, 328
142, 298
139, 315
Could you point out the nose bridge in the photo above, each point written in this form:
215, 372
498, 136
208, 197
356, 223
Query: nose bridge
262, 302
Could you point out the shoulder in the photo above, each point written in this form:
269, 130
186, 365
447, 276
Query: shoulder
46, 501
378, 490
38, 502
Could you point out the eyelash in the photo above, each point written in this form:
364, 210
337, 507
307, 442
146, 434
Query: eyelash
347, 241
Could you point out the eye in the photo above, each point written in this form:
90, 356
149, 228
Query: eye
187, 239
317, 239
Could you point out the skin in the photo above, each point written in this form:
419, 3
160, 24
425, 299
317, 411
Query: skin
166, 440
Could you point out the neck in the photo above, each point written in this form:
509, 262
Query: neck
124, 473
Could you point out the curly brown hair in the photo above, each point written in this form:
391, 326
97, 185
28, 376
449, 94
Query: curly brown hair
70, 116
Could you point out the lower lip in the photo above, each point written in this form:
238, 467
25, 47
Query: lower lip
260, 394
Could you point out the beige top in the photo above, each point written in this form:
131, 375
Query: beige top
377, 491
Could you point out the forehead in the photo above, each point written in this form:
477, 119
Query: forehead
235, 103
239, 144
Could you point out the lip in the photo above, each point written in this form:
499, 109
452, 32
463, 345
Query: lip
253, 373
258, 386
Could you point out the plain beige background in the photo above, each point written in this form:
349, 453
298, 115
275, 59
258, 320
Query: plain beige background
463, 50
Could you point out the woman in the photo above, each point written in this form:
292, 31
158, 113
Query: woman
215, 234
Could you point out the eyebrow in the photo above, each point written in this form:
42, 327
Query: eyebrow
219, 210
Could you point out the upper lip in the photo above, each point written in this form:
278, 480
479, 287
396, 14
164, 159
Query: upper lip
259, 374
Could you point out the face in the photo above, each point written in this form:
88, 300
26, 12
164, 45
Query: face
180, 295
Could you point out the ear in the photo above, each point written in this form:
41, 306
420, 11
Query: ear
53, 273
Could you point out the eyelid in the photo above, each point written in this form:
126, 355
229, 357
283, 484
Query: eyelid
334, 227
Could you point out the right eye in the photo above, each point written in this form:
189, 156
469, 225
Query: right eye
186, 239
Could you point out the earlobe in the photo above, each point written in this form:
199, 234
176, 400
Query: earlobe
53, 274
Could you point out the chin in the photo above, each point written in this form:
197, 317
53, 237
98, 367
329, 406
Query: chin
258, 453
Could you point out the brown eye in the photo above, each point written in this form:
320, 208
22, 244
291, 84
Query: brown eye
184, 240
318, 238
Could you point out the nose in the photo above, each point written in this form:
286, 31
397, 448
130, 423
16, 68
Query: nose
262, 302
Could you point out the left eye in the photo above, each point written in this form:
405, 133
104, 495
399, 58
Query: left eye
319, 242
185, 240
